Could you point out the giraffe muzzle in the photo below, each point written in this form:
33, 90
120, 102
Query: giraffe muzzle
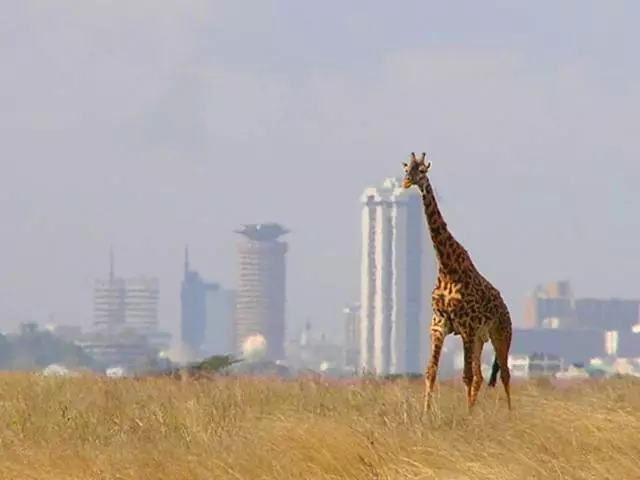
406, 183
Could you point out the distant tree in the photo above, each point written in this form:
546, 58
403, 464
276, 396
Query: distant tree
214, 363
400, 376
201, 369
5, 351
32, 349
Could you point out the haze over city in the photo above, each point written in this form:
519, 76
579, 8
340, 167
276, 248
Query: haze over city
148, 125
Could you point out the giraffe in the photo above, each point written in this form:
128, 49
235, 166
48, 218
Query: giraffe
463, 301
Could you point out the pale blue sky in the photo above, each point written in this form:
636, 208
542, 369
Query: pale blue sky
151, 124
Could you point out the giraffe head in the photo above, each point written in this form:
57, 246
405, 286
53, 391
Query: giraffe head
416, 170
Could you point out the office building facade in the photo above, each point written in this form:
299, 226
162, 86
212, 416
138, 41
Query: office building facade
130, 303
261, 292
206, 325
193, 307
219, 337
555, 306
397, 274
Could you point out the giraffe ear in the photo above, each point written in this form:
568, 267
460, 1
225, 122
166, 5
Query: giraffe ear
405, 164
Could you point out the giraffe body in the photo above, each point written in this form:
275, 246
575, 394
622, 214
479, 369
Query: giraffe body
463, 301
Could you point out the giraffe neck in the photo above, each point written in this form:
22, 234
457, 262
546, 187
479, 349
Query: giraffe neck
450, 254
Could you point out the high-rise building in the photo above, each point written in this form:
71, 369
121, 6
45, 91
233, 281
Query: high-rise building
206, 325
125, 320
126, 302
398, 270
219, 338
193, 302
141, 302
352, 336
261, 294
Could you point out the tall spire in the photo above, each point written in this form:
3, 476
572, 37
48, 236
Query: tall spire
111, 264
305, 336
186, 259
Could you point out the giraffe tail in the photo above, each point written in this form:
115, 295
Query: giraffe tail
493, 379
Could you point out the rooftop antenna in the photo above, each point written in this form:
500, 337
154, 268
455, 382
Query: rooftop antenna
186, 259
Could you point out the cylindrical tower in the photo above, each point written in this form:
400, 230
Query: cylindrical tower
261, 294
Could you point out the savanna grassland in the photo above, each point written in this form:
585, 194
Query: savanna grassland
160, 428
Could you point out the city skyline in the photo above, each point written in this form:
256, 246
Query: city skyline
150, 126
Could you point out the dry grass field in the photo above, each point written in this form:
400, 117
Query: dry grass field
90, 428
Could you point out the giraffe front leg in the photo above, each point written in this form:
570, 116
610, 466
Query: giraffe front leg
431, 372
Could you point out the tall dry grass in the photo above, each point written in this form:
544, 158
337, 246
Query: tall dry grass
90, 428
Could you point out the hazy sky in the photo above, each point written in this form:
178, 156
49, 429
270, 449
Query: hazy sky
151, 124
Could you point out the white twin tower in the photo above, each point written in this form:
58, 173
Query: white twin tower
398, 272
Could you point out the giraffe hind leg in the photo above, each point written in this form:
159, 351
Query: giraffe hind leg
501, 344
